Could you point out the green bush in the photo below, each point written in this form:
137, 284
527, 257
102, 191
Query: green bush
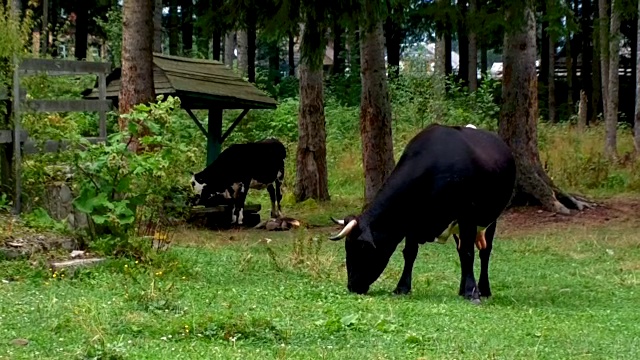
114, 184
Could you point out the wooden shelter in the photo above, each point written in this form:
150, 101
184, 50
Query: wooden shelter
200, 85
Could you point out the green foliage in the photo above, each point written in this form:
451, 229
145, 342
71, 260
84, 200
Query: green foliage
114, 182
5, 203
14, 35
417, 103
112, 27
39, 219
288, 87
575, 161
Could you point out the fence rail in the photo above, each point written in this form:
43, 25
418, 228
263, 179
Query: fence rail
25, 145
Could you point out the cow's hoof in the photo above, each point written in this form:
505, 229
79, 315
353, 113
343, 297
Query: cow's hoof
475, 301
401, 291
485, 291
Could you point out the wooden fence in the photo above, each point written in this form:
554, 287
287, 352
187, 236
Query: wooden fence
12, 159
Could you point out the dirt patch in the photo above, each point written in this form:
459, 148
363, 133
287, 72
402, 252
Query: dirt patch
609, 212
18, 241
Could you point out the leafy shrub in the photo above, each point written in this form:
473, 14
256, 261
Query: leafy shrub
113, 183
14, 36
113, 28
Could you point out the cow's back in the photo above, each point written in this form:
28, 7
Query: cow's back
258, 160
448, 172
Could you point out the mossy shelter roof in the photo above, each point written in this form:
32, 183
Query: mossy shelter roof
200, 84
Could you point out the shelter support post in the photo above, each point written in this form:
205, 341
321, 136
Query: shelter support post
214, 128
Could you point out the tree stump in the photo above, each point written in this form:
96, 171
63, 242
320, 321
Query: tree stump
58, 198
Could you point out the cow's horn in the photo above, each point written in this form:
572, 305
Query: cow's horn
339, 222
345, 231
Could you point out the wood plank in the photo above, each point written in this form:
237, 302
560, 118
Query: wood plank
62, 67
68, 105
6, 136
222, 208
75, 263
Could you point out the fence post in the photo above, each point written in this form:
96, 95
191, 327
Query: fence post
102, 88
16, 137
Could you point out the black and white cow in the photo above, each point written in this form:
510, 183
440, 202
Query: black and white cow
239, 167
449, 181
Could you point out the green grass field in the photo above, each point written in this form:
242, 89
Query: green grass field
563, 291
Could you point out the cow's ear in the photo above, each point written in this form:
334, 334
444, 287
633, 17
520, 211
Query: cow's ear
367, 236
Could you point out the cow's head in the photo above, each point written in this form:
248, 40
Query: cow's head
197, 186
366, 260
209, 191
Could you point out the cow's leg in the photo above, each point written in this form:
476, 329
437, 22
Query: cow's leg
272, 196
410, 252
279, 181
466, 251
485, 254
241, 195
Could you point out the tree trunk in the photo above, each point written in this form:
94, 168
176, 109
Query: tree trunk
463, 44
611, 122
519, 113
543, 74
448, 47
375, 112
551, 83
603, 27
473, 48
186, 10
173, 27
440, 67
484, 61
440, 53
311, 159
157, 26
636, 125
570, 74
16, 7
243, 64
216, 44
137, 58
354, 50
596, 84
251, 44
393, 39
292, 64
44, 48
82, 29
587, 51
582, 111
274, 62
229, 47
338, 48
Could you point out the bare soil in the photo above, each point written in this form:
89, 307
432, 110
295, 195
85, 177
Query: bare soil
614, 211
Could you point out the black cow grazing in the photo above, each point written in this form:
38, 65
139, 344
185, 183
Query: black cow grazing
459, 180
256, 165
